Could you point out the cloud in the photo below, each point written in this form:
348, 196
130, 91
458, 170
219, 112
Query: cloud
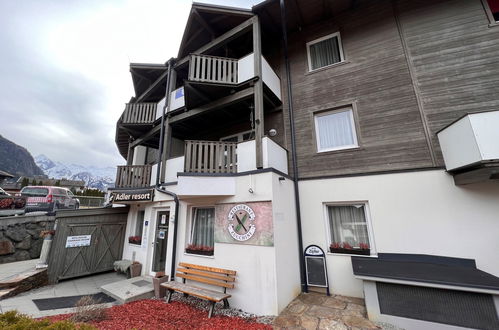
64, 76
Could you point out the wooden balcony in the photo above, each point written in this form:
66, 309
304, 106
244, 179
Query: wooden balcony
212, 69
139, 113
210, 157
133, 176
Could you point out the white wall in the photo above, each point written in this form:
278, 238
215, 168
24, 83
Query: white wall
414, 212
173, 166
271, 79
154, 171
273, 156
245, 68
177, 99
246, 159
206, 186
139, 155
159, 108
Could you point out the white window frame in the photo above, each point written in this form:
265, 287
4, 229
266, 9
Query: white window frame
490, 16
191, 225
370, 232
352, 123
329, 36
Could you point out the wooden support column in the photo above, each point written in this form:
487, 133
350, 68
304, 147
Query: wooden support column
168, 130
129, 158
258, 94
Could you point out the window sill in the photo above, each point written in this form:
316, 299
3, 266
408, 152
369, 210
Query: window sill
199, 255
347, 149
135, 245
327, 67
492, 25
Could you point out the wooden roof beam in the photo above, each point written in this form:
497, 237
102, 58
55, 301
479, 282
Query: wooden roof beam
152, 87
202, 21
221, 40
222, 102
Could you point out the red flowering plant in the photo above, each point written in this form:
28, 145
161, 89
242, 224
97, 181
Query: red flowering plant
344, 247
364, 246
135, 240
199, 249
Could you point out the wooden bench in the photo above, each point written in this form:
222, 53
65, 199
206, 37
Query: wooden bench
223, 278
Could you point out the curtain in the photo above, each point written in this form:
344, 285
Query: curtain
324, 53
203, 227
335, 130
139, 223
347, 224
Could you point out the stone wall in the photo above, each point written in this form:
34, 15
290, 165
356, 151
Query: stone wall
20, 237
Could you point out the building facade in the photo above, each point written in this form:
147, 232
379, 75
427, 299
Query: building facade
366, 128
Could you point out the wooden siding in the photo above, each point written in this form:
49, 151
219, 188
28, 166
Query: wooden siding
455, 58
376, 78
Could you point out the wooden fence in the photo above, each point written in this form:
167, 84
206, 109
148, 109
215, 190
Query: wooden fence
204, 68
133, 176
86, 242
210, 157
139, 113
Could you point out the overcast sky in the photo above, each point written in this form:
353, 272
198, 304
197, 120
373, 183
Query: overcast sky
64, 69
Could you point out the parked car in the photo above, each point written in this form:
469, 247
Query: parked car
11, 205
49, 199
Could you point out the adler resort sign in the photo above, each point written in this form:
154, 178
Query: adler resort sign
244, 223
132, 196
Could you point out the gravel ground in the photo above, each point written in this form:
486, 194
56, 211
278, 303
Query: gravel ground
219, 310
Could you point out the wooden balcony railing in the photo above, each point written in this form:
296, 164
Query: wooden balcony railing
204, 68
210, 157
133, 176
139, 113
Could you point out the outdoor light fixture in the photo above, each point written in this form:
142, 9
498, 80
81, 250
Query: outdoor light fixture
250, 190
281, 178
272, 132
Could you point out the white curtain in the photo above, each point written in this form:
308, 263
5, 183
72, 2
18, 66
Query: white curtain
203, 227
335, 130
347, 224
324, 53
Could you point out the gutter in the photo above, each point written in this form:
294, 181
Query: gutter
175, 221
304, 287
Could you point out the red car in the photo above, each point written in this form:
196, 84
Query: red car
49, 199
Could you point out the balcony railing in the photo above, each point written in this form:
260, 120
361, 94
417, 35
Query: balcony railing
204, 68
210, 157
134, 176
139, 113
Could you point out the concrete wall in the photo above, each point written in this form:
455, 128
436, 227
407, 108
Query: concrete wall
139, 155
414, 212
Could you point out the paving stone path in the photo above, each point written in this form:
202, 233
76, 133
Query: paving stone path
318, 311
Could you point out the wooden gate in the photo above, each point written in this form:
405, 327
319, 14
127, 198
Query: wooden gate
86, 242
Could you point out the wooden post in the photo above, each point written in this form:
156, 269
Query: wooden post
129, 158
168, 130
258, 94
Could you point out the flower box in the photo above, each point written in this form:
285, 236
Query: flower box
201, 252
364, 252
135, 240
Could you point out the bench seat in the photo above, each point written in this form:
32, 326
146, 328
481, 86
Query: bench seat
195, 291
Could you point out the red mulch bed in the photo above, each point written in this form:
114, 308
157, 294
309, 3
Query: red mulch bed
156, 314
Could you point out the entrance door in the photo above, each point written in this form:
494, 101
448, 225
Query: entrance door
160, 241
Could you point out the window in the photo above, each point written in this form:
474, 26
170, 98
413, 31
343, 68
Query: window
335, 130
324, 51
492, 8
202, 232
348, 229
136, 237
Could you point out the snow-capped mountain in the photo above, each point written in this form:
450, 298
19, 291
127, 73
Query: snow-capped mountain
94, 177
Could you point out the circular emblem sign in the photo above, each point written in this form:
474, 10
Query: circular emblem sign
241, 222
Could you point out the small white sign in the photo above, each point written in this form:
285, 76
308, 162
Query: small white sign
78, 241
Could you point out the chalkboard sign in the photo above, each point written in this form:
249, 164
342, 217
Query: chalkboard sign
315, 265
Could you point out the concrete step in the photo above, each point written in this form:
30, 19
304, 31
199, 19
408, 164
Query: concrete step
8, 292
132, 289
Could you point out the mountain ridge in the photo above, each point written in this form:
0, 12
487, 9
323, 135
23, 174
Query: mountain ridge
17, 160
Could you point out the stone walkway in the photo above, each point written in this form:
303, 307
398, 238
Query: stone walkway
318, 311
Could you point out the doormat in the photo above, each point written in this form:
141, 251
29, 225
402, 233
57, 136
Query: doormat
142, 283
69, 302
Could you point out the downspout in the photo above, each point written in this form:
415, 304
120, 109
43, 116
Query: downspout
175, 221
304, 287
158, 186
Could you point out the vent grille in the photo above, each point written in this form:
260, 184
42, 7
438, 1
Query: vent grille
459, 308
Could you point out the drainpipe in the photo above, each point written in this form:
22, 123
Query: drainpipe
162, 131
175, 221
304, 287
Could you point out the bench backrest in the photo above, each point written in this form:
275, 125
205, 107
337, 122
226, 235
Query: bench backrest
224, 278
